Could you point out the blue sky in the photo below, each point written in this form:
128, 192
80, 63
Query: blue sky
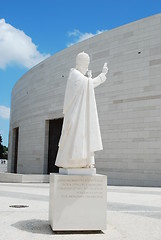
32, 30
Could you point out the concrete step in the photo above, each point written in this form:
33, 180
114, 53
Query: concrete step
24, 178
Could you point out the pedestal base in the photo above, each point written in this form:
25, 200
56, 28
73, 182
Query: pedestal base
77, 202
77, 171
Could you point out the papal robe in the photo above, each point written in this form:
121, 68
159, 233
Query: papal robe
81, 135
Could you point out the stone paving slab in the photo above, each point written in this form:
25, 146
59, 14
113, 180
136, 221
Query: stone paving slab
133, 213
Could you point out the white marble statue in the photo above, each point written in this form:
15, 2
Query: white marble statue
80, 136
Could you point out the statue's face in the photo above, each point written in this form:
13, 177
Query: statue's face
83, 68
82, 62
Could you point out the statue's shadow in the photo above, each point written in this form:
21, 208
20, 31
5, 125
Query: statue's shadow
42, 227
34, 226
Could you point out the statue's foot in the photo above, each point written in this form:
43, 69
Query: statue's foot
90, 166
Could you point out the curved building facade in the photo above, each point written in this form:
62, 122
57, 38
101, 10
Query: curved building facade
129, 106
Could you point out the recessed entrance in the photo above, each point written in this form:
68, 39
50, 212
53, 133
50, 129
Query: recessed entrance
55, 128
15, 148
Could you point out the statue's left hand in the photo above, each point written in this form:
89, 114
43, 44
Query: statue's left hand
89, 73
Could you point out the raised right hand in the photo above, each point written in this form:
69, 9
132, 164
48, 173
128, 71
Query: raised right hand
105, 68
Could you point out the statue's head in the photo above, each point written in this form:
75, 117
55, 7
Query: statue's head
82, 62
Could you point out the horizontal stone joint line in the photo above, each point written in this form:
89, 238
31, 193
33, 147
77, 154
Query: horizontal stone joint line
136, 99
126, 211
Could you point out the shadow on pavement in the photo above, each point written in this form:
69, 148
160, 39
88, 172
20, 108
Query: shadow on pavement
42, 227
34, 226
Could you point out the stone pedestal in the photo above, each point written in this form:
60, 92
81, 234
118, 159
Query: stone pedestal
77, 171
77, 202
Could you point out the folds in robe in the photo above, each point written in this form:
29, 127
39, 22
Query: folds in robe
80, 136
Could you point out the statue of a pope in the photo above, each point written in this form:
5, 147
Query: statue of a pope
80, 136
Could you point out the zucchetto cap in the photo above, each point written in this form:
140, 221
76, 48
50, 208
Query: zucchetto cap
82, 58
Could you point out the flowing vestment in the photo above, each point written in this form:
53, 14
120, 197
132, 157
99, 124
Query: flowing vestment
80, 136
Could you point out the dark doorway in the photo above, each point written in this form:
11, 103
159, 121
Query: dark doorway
15, 150
55, 128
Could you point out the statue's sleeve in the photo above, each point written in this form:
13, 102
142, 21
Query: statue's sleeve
99, 79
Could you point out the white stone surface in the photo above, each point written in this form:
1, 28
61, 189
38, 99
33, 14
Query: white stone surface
77, 171
77, 202
80, 136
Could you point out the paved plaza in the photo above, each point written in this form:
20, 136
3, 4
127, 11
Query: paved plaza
132, 213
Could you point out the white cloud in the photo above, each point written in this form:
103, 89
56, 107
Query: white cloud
79, 36
17, 47
4, 112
